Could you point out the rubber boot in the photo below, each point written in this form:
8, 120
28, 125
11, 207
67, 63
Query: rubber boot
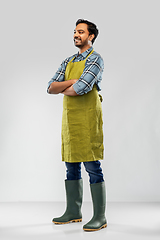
74, 193
98, 220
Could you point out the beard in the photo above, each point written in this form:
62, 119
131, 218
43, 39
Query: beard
79, 43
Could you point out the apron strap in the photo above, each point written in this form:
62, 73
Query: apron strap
86, 57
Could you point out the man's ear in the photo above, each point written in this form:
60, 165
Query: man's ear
91, 37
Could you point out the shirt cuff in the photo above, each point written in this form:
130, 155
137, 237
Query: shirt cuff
77, 89
47, 89
49, 83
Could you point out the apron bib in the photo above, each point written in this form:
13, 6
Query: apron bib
82, 124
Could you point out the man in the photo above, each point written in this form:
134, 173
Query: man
78, 78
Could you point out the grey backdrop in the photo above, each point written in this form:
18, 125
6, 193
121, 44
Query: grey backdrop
35, 37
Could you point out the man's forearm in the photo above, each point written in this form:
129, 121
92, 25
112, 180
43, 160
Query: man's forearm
59, 87
70, 92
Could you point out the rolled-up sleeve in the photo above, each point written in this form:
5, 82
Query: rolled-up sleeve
92, 74
60, 74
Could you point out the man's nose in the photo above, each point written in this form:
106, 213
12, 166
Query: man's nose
75, 34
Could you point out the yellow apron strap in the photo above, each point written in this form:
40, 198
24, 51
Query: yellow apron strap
72, 59
90, 53
86, 57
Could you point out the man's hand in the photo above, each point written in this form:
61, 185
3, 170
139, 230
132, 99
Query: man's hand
70, 92
60, 87
74, 80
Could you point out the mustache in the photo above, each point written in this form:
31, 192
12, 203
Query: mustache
77, 38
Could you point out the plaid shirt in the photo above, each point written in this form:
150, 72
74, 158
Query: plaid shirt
92, 73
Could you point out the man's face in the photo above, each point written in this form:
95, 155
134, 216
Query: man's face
81, 35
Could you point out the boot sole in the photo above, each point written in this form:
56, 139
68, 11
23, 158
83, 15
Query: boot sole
74, 220
91, 230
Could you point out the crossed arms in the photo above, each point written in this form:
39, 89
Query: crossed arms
65, 87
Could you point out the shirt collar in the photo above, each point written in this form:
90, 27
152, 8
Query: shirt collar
85, 54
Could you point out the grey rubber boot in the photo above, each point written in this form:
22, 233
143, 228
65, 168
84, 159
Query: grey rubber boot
98, 220
74, 194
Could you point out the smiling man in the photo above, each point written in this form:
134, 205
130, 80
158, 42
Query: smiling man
78, 79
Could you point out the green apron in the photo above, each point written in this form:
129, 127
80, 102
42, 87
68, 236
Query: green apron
82, 124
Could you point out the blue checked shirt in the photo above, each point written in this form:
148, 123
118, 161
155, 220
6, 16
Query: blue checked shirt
92, 73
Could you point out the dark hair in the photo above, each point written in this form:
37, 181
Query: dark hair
92, 28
